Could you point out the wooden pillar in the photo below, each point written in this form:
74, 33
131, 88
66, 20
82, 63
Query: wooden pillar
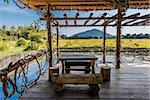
49, 38
57, 42
104, 45
118, 38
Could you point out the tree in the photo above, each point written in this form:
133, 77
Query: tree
37, 25
63, 36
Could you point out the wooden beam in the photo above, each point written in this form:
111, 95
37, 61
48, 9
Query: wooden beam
130, 16
96, 18
100, 18
141, 22
144, 16
57, 41
104, 45
111, 20
75, 21
49, 37
65, 16
84, 4
118, 38
112, 25
90, 16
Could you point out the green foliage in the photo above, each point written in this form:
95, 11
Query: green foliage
21, 42
32, 46
4, 47
36, 38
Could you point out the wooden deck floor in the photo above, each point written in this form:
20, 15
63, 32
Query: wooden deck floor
126, 83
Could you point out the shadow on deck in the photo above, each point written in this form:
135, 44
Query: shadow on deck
126, 83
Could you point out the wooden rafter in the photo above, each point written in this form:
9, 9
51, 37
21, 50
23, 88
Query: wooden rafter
108, 20
65, 16
111, 20
130, 16
90, 16
135, 19
85, 4
100, 18
75, 21
95, 18
141, 22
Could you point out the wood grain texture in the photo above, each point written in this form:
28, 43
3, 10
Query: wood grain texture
126, 83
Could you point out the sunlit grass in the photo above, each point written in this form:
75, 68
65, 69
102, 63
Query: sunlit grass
130, 43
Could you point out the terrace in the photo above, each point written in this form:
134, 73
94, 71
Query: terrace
127, 79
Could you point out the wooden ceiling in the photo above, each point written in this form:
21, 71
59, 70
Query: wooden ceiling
86, 5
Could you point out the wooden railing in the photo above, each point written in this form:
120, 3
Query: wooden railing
19, 71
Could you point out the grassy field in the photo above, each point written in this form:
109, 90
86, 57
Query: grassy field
131, 43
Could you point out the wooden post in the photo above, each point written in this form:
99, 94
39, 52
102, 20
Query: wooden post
118, 38
104, 45
49, 38
57, 42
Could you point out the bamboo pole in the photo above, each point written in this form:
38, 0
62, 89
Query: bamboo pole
118, 38
49, 38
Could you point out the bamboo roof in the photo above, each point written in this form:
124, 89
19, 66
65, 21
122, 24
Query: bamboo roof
86, 5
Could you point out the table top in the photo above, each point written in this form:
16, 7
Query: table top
77, 57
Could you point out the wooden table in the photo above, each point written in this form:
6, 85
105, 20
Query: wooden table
78, 59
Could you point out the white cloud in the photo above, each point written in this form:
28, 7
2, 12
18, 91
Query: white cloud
14, 9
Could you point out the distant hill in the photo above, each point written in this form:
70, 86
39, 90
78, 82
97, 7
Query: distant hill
94, 33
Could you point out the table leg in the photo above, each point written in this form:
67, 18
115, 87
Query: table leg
63, 66
93, 69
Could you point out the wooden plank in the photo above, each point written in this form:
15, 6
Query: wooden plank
78, 79
126, 83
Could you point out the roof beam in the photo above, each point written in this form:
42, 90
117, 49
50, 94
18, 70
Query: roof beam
141, 22
95, 18
65, 16
93, 25
75, 21
90, 16
135, 19
110, 20
100, 18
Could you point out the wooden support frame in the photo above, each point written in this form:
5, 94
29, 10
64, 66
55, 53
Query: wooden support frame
90, 16
49, 37
57, 41
118, 38
75, 21
104, 45
100, 18
65, 16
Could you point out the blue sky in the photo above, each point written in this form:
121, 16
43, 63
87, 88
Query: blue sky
11, 15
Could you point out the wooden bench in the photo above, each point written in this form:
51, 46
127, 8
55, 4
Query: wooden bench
92, 79
86, 63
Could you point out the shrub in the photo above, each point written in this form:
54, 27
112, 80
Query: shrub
21, 42
36, 38
3, 46
32, 46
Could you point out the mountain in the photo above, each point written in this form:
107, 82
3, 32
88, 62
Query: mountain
94, 33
